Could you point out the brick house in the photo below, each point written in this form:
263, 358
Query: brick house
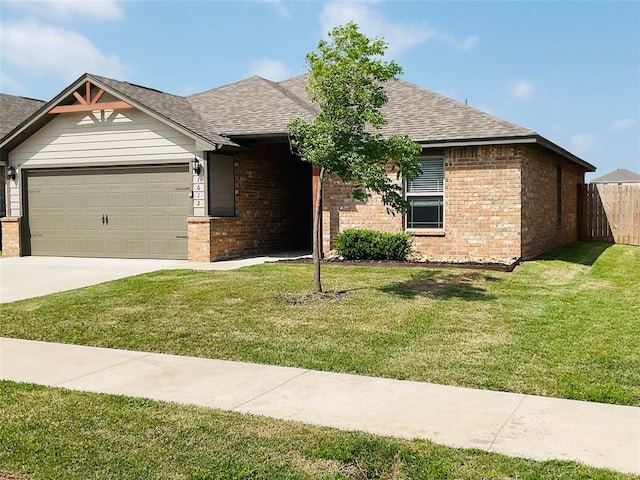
108, 168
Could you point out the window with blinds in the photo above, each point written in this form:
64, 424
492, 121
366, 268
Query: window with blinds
425, 195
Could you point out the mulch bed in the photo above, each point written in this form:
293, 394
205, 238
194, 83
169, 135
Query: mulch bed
496, 267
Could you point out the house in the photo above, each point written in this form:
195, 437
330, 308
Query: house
620, 176
109, 168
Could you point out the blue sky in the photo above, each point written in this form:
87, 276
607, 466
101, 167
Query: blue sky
568, 70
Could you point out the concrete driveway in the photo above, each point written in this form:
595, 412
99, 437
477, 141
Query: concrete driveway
28, 277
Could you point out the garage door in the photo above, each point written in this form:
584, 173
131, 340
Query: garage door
128, 212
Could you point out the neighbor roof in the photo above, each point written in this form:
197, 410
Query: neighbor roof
15, 110
621, 175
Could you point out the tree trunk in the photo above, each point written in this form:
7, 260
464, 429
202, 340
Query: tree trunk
317, 284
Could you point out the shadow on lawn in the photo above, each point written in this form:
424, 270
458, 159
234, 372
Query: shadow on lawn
438, 285
583, 253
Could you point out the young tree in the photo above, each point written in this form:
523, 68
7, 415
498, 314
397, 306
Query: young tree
346, 82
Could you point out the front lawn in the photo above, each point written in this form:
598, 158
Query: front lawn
49, 433
565, 326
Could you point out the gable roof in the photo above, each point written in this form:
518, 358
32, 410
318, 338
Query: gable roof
15, 110
172, 108
257, 107
621, 175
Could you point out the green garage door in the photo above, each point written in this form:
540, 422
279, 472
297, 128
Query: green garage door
127, 212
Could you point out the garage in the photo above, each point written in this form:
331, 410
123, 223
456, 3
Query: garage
120, 212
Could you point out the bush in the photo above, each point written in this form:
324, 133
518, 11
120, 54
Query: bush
360, 244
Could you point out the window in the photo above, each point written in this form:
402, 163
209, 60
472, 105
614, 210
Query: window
425, 195
222, 188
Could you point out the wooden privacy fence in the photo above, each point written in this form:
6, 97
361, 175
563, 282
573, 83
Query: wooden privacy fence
609, 213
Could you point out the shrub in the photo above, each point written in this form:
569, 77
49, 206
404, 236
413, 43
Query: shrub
361, 244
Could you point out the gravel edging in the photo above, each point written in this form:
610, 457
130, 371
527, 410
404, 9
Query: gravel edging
496, 267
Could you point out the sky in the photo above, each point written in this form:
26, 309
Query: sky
569, 70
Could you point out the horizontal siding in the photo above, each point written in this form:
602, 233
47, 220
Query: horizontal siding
122, 137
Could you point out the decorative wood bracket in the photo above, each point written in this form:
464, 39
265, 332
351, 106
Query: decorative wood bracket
88, 104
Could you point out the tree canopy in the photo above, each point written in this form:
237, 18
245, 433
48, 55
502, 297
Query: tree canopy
347, 84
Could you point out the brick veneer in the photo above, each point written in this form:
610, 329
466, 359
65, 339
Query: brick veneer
541, 230
482, 208
11, 246
273, 208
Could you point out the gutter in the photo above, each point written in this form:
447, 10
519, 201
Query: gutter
522, 140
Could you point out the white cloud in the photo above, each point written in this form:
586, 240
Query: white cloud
623, 124
522, 89
71, 9
44, 49
582, 142
279, 7
274, 70
463, 45
399, 36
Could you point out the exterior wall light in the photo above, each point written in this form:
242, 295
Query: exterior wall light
196, 166
11, 172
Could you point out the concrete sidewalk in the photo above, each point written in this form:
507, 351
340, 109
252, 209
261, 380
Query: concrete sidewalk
514, 424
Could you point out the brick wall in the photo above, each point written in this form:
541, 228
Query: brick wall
499, 206
273, 208
341, 211
541, 229
482, 209
11, 246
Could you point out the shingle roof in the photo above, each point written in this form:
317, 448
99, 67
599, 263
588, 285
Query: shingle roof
15, 110
621, 175
251, 106
256, 106
172, 107
426, 116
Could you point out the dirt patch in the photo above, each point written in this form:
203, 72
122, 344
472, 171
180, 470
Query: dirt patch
8, 476
314, 297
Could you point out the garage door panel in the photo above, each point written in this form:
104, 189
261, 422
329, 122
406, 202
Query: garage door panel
162, 224
135, 199
146, 219
88, 200
136, 223
115, 200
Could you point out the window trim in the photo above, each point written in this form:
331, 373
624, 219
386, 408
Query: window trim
437, 231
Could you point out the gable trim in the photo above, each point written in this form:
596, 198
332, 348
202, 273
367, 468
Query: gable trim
42, 114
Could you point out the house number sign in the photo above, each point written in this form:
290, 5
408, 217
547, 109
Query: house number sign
198, 192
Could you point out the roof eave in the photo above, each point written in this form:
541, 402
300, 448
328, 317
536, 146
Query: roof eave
523, 139
561, 151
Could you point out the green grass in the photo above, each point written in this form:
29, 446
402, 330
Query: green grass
49, 433
566, 325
